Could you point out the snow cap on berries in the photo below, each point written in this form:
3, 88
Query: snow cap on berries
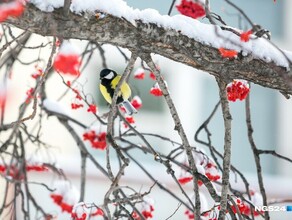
155, 90
136, 102
35, 163
65, 195
68, 48
139, 73
68, 60
11, 9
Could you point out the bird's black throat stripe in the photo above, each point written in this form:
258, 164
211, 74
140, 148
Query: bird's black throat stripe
107, 84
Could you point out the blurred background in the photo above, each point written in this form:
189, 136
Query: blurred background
195, 94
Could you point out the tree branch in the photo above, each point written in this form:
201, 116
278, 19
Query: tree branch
66, 8
256, 155
180, 130
227, 148
151, 38
274, 153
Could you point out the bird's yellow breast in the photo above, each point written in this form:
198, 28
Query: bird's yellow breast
125, 91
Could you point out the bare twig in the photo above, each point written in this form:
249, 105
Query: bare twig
83, 176
227, 148
66, 7
179, 128
256, 155
171, 7
274, 153
175, 211
113, 108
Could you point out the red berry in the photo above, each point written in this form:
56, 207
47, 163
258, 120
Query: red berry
237, 90
191, 9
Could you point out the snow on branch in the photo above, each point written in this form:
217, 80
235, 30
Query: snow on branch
178, 38
207, 34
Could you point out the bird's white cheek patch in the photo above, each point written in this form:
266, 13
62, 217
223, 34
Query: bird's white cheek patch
109, 76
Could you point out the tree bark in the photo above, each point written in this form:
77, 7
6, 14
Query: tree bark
150, 38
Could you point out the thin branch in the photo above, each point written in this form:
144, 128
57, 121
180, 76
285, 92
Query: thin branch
123, 54
83, 176
113, 187
240, 11
274, 153
256, 155
102, 55
227, 148
66, 8
179, 128
81, 145
113, 107
175, 211
141, 136
214, 152
160, 185
171, 7
110, 134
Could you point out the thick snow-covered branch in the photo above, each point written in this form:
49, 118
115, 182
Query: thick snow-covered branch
166, 40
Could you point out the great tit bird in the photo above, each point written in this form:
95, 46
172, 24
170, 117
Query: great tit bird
109, 80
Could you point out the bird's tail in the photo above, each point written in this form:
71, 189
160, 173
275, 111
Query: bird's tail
130, 109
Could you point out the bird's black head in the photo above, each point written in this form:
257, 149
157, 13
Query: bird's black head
107, 74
